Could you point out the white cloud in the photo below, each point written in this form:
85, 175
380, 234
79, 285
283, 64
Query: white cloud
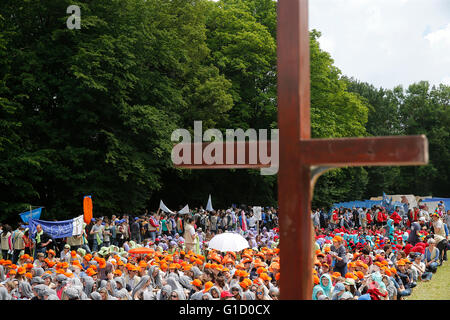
440, 36
386, 42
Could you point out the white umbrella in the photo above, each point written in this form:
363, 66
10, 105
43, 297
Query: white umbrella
228, 241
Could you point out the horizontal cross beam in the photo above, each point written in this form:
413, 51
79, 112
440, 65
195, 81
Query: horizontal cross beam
371, 151
343, 152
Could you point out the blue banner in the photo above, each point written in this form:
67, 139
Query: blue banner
58, 229
34, 214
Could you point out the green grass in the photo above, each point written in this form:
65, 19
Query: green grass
436, 289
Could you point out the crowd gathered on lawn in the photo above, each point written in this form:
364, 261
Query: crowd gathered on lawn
359, 254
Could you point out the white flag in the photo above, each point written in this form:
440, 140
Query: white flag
184, 210
257, 213
163, 207
209, 205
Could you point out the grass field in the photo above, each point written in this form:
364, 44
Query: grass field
436, 289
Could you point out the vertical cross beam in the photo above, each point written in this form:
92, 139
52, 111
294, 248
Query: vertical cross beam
294, 191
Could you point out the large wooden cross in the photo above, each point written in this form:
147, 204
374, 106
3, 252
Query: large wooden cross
302, 159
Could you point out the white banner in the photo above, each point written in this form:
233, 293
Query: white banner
163, 207
78, 224
209, 205
184, 210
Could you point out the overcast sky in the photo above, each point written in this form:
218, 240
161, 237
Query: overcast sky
386, 42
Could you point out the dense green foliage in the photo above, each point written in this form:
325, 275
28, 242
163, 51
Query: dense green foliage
91, 111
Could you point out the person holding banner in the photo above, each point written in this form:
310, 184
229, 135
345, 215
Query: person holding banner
43, 241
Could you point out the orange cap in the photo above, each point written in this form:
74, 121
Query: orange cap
197, 283
208, 286
21, 270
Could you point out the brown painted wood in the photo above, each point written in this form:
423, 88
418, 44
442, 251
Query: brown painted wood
294, 124
373, 151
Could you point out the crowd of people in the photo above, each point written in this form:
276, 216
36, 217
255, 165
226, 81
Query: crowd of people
360, 254
372, 254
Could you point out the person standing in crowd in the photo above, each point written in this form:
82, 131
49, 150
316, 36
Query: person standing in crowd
439, 236
97, 233
152, 226
28, 242
363, 218
339, 254
173, 225
106, 234
135, 229
75, 242
315, 216
189, 234
18, 243
6, 241
251, 220
213, 222
180, 225
416, 227
43, 241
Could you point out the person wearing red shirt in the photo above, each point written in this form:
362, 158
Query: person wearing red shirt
335, 219
369, 217
384, 217
396, 217
379, 218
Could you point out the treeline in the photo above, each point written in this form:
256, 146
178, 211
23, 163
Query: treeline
91, 111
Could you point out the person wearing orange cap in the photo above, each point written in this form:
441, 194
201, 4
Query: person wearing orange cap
339, 253
266, 280
131, 278
402, 280
51, 255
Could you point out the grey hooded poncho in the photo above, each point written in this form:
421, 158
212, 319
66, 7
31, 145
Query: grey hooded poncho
140, 285
37, 280
197, 272
237, 286
185, 281
25, 289
248, 295
172, 281
96, 296
180, 293
164, 294
4, 294
71, 293
214, 288
197, 295
2, 274
155, 281
38, 272
88, 284
41, 290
